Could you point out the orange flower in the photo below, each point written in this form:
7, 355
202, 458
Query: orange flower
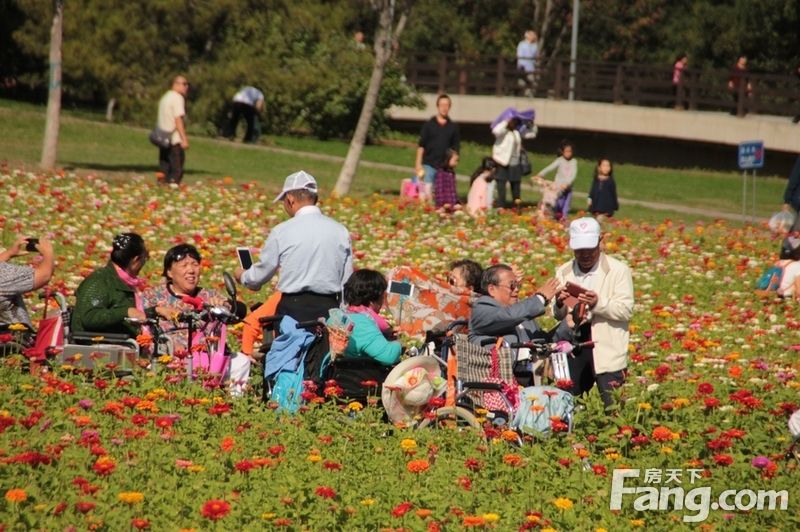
16, 495
513, 460
423, 513
509, 435
473, 520
418, 466
662, 434
227, 444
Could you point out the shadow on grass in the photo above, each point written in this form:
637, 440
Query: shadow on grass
125, 168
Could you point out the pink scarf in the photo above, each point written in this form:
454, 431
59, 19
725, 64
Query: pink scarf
377, 318
132, 282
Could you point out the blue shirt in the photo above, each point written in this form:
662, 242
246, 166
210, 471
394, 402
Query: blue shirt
526, 55
311, 250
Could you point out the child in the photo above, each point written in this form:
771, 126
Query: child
479, 199
603, 195
444, 184
558, 193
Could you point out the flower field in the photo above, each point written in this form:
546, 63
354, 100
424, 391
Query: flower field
713, 379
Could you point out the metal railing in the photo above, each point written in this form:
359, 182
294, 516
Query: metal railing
619, 83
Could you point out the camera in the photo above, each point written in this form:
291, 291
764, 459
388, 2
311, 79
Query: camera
32, 243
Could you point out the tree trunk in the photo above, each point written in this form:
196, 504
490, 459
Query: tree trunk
385, 42
50, 144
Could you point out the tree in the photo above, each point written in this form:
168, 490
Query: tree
386, 39
50, 144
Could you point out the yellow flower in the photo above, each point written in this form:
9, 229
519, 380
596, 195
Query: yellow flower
16, 495
131, 497
40, 507
408, 444
666, 450
204, 400
355, 406
645, 406
165, 359
600, 530
637, 522
314, 458
549, 529
563, 503
268, 515
26, 387
156, 393
680, 402
491, 517
17, 327
196, 468
367, 502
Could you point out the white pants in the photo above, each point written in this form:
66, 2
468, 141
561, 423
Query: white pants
238, 374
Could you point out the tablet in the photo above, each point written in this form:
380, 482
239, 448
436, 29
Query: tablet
245, 258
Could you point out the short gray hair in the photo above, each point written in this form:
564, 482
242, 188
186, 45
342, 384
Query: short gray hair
491, 276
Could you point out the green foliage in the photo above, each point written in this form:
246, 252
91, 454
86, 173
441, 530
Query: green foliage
311, 76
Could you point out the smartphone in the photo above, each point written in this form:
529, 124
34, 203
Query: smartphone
245, 258
575, 289
401, 288
32, 243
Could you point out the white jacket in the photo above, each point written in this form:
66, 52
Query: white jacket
611, 315
506, 144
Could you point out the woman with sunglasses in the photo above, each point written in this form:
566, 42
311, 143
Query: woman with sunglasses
112, 293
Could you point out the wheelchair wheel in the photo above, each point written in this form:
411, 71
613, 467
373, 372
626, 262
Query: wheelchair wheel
451, 417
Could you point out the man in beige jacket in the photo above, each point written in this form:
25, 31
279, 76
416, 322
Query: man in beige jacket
606, 288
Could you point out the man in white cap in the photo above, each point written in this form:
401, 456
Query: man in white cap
312, 251
605, 286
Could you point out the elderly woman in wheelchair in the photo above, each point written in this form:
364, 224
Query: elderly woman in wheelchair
109, 297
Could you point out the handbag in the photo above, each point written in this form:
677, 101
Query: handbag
160, 138
493, 401
524, 162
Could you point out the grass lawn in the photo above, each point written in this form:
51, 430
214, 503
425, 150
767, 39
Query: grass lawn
89, 144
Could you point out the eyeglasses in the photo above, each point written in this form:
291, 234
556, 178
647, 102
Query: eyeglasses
512, 287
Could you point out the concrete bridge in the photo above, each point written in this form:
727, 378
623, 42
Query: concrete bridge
628, 133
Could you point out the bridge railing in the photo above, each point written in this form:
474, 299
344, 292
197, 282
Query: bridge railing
620, 83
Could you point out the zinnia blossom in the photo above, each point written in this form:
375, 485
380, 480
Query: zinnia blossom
104, 466
16, 495
131, 497
402, 509
215, 509
418, 466
563, 503
326, 492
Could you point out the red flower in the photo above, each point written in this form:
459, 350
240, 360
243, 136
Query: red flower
326, 492
243, 466
473, 464
418, 466
465, 483
140, 524
705, 388
215, 509
84, 507
331, 465
276, 450
723, 459
402, 509
104, 466
600, 470
219, 409
369, 383
711, 402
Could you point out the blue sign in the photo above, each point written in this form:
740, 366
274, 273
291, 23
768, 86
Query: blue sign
751, 154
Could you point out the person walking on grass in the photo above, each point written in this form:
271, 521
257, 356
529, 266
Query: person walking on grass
171, 118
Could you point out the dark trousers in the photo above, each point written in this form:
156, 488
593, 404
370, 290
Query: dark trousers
307, 306
249, 113
511, 175
170, 163
582, 372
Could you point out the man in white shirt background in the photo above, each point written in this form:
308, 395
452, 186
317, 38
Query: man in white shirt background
171, 118
247, 103
527, 54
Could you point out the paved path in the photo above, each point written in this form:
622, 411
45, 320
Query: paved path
672, 207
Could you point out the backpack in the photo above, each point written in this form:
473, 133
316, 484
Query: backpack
770, 280
538, 404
